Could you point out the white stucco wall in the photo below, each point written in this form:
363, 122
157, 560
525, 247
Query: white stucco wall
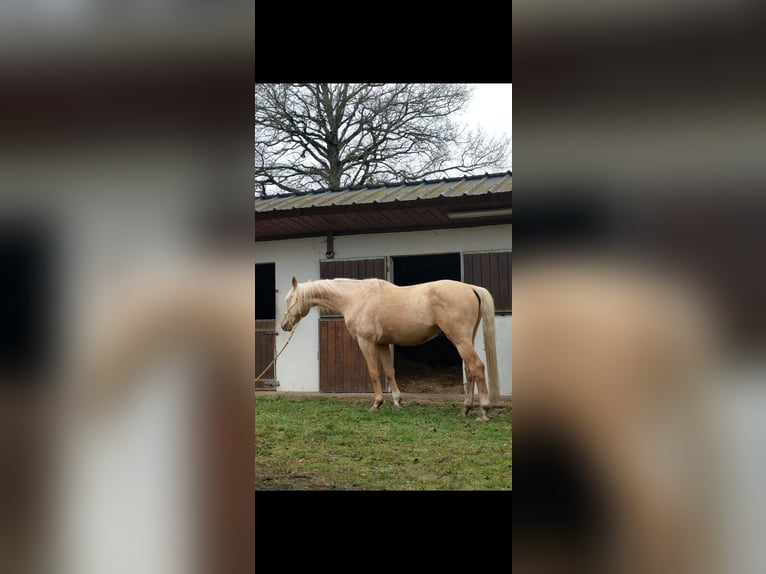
298, 367
503, 336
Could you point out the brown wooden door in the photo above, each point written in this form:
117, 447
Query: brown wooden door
341, 364
493, 272
265, 335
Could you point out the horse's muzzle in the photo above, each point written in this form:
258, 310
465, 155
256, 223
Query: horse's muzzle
286, 326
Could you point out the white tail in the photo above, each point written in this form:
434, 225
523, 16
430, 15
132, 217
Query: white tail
490, 346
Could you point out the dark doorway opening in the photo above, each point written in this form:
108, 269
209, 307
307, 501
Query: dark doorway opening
436, 366
265, 307
265, 325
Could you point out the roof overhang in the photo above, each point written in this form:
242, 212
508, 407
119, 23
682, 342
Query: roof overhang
417, 214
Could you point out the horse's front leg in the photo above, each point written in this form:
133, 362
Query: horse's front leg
387, 360
371, 358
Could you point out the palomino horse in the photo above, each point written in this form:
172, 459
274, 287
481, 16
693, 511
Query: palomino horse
378, 314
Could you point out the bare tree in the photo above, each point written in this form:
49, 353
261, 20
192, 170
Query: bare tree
340, 135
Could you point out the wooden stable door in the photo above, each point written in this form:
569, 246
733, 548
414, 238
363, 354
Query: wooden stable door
265, 336
491, 270
342, 367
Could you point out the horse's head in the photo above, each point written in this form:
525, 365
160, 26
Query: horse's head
294, 311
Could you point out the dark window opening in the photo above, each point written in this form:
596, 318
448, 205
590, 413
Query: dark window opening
265, 303
434, 366
27, 321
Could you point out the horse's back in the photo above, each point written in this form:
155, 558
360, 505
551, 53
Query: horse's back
440, 287
453, 292
423, 302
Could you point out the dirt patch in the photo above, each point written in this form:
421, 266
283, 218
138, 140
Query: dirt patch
300, 481
414, 377
431, 385
290, 482
365, 399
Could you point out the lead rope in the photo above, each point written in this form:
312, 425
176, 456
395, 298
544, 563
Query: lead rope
300, 311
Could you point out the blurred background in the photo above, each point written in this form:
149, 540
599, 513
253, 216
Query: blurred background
639, 241
126, 292
125, 230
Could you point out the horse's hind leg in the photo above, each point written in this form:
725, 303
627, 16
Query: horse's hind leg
387, 360
474, 373
469, 386
371, 358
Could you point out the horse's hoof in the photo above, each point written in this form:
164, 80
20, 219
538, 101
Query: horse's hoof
483, 418
397, 406
464, 412
374, 409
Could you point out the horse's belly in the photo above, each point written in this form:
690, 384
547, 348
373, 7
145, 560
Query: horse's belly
406, 337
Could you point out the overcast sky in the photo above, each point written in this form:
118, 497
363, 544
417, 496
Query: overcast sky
491, 109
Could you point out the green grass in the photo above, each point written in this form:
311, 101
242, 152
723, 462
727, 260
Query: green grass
320, 443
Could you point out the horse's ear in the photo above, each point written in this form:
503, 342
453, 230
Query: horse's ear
295, 282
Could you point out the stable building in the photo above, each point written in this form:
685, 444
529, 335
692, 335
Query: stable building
456, 228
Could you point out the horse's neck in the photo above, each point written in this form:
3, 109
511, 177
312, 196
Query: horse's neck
328, 294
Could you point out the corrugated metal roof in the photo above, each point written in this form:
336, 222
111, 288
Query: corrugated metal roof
429, 189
